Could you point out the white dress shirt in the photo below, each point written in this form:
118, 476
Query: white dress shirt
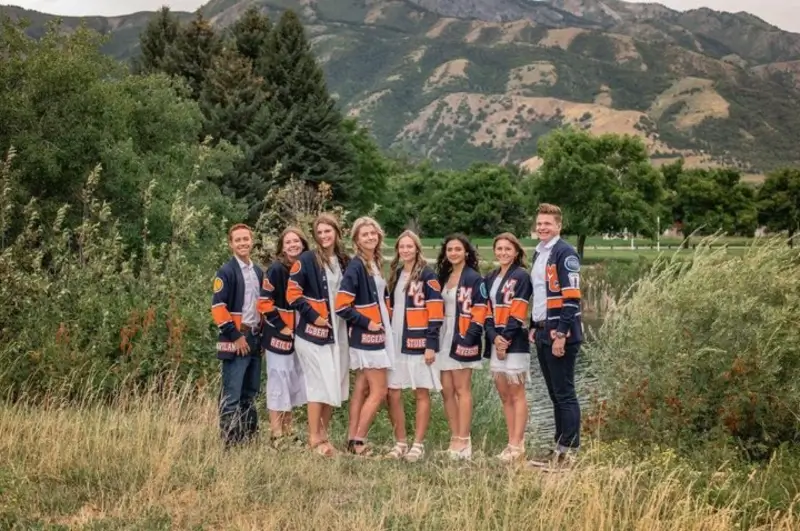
539, 280
251, 293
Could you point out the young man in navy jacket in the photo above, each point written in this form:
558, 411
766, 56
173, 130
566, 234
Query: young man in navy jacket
556, 330
237, 287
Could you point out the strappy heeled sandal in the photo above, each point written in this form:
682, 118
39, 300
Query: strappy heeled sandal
323, 448
511, 453
464, 453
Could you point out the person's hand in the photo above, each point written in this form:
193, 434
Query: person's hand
559, 344
430, 356
242, 348
287, 331
501, 345
321, 321
532, 335
374, 327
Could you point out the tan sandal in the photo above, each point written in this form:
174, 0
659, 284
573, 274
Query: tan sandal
400, 449
416, 453
323, 448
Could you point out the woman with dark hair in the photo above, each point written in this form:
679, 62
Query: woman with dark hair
464, 295
320, 335
285, 385
510, 291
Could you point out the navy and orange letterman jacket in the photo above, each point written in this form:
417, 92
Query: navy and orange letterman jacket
307, 292
508, 310
226, 306
357, 303
273, 306
472, 305
563, 293
424, 313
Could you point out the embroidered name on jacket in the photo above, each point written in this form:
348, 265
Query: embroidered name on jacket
415, 342
373, 339
317, 331
280, 344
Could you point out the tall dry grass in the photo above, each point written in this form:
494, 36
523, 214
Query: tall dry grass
151, 462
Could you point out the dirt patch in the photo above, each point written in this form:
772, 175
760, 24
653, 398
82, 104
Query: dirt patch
502, 121
417, 54
789, 67
476, 28
367, 103
394, 77
699, 101
538, 73
509, 31
560, 38
604, 97
445, 73
625, 48
437, 29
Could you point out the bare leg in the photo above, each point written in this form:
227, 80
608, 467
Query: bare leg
360, 391
520, 408
376, 380
423, 414
397, 414
451, 407
462, 380
503, 390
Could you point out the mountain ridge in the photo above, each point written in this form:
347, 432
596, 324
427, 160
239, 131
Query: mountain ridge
711, 86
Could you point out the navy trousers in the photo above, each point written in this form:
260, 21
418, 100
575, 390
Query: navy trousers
559, 376
241, 381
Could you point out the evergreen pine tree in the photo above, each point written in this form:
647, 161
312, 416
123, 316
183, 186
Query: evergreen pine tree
155, 41
230, 99
250, 34
196, 46
300, 126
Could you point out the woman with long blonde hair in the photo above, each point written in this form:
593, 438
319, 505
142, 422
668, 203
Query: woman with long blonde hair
320, 335
363, 302
417, 315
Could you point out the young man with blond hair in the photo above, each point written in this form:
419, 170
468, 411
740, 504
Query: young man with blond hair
556, 331
237, 286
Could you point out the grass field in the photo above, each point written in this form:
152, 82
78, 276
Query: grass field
155, 463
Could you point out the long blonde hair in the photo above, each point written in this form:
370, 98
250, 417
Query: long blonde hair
419, 260
338, 244
378, 255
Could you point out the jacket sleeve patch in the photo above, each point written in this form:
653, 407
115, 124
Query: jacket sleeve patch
484, 292
572, 264
218, 285
266, 285
434, 284
295, 268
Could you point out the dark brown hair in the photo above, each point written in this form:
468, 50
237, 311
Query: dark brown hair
279, 254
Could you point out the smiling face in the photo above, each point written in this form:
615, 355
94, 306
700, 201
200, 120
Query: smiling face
407, 250
326, 236
547, 227
505, 252
456, 254
292, 246
368, 238
241, 243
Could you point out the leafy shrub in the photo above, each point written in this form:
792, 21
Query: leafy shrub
706, 350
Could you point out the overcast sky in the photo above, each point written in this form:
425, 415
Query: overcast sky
782, 13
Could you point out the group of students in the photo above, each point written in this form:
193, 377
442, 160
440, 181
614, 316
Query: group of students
317, 314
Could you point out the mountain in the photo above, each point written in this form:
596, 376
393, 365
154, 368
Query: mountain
465, 80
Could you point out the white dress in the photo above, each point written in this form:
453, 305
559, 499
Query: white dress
443, 360
286, 386
376, 359
410, 370
324, 367
516, 366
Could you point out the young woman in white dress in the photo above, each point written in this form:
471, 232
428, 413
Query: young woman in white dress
510, 292
417, 314
320, 335
465, 307
286, 388
362, 302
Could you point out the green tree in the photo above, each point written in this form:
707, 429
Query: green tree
481, 201
300, 129
370, 176
711, 200
408, 190
779, 201
193, 53
155, 41
250, 34
602, 183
